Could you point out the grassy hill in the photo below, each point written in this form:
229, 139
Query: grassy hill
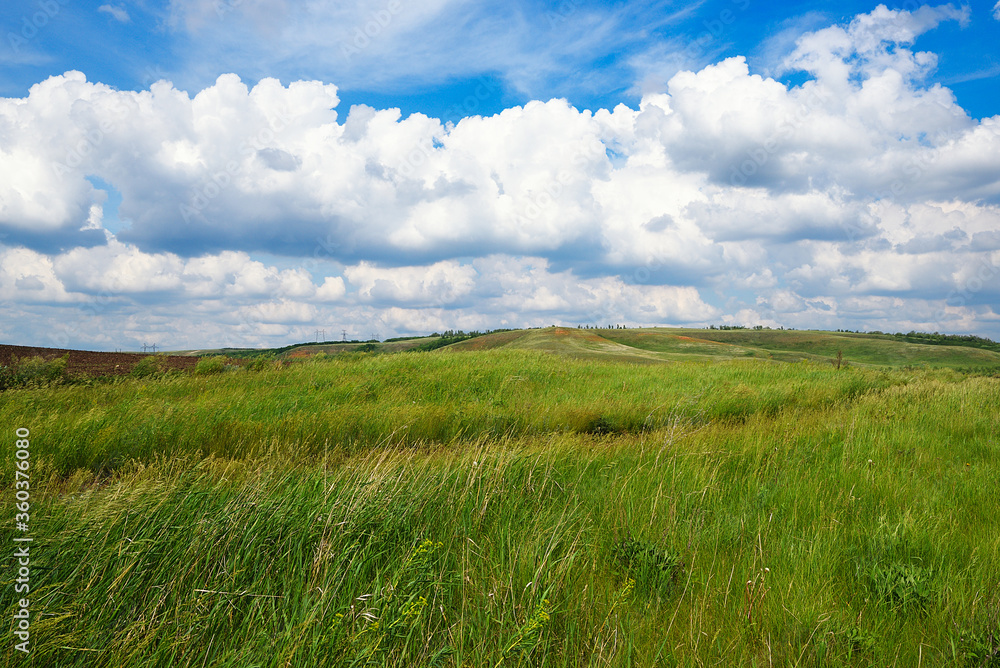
659, 345
652, 345
300, 350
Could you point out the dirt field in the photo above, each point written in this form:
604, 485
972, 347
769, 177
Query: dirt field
86, 363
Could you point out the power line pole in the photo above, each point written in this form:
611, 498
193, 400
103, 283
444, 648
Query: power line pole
344, 335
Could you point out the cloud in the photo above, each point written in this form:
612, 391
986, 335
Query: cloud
28, 277
390, 45
724, 194
439, 284
118, 13
996, 11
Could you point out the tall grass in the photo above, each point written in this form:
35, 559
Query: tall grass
356, 404
493, 509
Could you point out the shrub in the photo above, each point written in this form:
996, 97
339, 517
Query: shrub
6, 377
149, 366
210, 365
33, 372
263, 362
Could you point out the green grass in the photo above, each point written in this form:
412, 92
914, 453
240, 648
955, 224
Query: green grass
513, 507
658, 345
787, 345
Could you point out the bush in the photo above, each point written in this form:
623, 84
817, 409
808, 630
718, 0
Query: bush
150, 366
263, 362
210, 365
33, 372
6, 377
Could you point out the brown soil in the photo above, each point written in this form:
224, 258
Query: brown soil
86, 363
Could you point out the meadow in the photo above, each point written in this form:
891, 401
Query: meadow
510, 506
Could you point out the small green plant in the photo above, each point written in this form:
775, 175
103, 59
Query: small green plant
905, 585
211, 365
856, 640
980, 648
393, 618
529, 636
653, 568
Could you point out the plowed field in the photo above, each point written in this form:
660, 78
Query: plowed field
87, 363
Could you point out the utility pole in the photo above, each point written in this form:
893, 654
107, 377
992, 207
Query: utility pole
344, 335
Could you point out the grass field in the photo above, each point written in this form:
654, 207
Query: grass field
677, 345
502, 505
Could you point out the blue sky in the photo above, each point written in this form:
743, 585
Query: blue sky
140, 42
233, 172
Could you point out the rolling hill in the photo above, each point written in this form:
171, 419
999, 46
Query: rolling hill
659, 345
